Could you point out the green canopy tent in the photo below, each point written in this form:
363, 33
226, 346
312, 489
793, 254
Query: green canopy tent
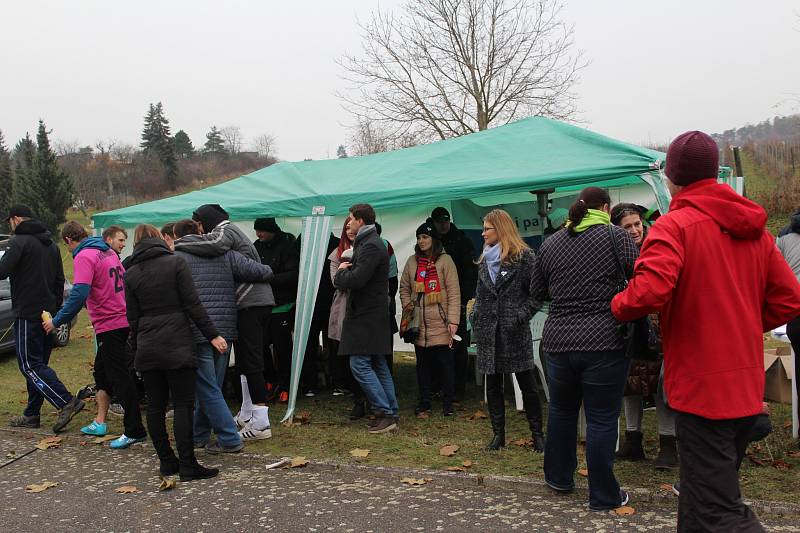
500, 166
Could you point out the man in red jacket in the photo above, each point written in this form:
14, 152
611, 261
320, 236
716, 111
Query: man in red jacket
715, 275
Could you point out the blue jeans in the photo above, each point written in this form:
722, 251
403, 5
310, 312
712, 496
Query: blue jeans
598, 379
372, 373
33, 358
210, 409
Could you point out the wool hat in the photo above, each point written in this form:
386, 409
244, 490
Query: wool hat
267, 224
19, 210
691, 157
440, 214
426, 228
209, 215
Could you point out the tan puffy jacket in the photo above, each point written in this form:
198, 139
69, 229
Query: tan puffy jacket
433, 329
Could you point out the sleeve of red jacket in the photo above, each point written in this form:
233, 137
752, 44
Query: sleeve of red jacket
655, 275
782, 295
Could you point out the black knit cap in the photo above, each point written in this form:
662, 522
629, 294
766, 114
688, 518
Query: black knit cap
267, 224
209, 215
427, 228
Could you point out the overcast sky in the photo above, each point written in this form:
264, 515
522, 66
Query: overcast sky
90, 68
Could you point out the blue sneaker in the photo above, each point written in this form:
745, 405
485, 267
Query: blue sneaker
123, 442
95, 429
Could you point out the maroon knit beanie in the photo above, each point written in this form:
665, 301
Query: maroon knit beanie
692, 156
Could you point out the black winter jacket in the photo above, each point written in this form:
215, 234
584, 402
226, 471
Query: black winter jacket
282, 256
161, 300
215, 280
33, 263
366, 329
460, 248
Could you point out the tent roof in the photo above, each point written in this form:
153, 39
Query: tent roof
533, 153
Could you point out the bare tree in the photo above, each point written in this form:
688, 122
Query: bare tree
232, 135
370, 138
266, 145
445, 68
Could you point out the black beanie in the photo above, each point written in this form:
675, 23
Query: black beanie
209, 215
266, 224
427, 228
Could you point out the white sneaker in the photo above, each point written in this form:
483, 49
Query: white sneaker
241, 423
250, 433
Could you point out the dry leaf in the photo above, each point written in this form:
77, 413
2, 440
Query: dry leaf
298, 462
478, 415
414, 481
423, 415
303, 417
11, 455
167, 483
126, 489
101, 440
49, 442
358, 452
456, 469
44, 485
624, 511
787, 424
666, 487
780, 464
755, 460
583, 472
523, 442
449, 450
796, 455
467, 463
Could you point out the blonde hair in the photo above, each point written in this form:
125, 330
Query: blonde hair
511, 243
145, 231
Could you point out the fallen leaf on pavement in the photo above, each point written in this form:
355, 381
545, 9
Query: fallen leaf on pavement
49, 442
298, 462
44, 485
456, 469
624, 511
11, 455
167, 483
414, 481
126, 489
106, 438
359, 452
467, 463
449, 450
583, 472
523, 442
478, 415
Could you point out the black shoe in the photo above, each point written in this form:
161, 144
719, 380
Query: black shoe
74, 407
23, 421
631, 449
498, 441
169, 468
198, 471
421, 408
448, 411
667, 453
358, 411
89, 391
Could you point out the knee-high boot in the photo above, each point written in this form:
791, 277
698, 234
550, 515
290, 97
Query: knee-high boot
533, 412
497, 410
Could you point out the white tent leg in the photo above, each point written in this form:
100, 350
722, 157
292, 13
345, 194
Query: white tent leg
517, 392
795, 421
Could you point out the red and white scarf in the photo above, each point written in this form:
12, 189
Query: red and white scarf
427, 280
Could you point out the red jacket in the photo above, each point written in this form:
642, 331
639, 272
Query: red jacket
715, 274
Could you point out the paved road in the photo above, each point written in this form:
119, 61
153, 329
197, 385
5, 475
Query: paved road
247, 497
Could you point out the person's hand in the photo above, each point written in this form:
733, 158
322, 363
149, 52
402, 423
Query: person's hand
452, 329
48, 326
220, 344
344, 264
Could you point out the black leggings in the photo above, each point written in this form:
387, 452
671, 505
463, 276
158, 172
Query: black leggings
252, 323
112, 374
159, 385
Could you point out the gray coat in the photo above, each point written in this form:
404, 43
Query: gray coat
501, 317
224, 237
215, 281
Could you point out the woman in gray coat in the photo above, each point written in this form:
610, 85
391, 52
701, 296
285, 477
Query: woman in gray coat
504, 306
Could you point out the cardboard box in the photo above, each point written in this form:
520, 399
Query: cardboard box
779, 375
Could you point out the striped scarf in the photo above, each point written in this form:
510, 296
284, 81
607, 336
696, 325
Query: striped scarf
427, 280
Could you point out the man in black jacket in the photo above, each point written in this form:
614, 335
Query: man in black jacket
33, 263
459, 247
365, 329
277, 250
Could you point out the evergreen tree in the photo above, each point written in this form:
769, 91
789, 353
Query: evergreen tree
214, 143
6, 184
22, 181
341, 152
156, 141
50, 184
182, 145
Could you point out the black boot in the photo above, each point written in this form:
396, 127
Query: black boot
359, 410
667, 453
631, 449
169, 467
497, 412
197, 471
533, 412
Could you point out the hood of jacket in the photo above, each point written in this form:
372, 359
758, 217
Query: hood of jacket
36, 229
147, 249
210, 215
735, 214
93, 243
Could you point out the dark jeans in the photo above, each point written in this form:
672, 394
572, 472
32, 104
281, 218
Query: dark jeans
278, 364
33, 358
252, 324
438, 360
793, 332
179, 383
711, 452
372, 373
113, 358
598, 379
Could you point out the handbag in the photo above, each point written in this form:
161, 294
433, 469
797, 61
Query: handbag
410, 320
639, 341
